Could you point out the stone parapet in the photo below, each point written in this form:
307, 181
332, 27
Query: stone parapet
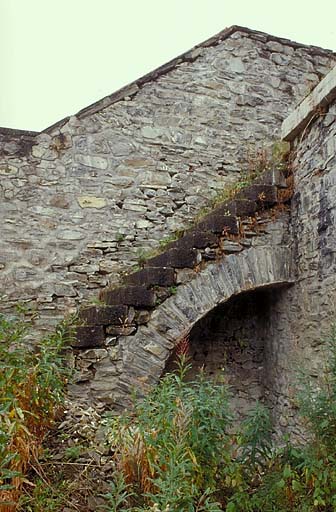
311, 107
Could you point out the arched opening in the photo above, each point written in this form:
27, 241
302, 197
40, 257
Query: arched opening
228, 344
237, 288
232, 345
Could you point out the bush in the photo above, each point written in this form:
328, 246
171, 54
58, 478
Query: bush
300, 478
170, 450
177, 451
31, 389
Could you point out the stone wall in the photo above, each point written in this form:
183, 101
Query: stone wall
125, 343
301, 316
97, 190
229, 345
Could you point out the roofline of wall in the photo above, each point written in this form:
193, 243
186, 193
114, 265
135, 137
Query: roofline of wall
13, 132
189, 56
323, 94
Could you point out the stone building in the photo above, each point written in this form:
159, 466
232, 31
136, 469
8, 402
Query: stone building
88, 199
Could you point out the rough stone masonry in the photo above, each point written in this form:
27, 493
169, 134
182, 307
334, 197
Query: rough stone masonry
83, 200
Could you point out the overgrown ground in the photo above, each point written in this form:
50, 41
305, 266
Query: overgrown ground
178, 450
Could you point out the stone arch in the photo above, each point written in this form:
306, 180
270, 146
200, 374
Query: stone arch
145, 354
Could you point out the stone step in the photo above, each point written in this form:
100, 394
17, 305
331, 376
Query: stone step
240, 207
261, 194
176, 258
195, 239
152, 276
219, 223
137, 296
104, 315
89, 337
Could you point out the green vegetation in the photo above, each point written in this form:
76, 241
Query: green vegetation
173, 290
32, 383
120, 237
170, 449
178, 451
259, 161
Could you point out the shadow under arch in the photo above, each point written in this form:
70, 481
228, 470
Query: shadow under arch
145, 354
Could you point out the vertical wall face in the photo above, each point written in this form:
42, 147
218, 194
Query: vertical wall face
228, 344
95, 193
302, 315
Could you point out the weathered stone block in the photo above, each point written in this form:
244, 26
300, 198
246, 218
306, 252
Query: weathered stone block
142, 317
151, 276
273, 177
230, 247
137, 296
91, 202
184, 275
262, 194
219, 223
89, 337
92, 161
241, 207
176, 258
196, 239
104, 315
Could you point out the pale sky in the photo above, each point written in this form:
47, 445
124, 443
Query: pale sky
58, 56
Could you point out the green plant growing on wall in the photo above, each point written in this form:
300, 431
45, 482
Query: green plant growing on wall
144, 255
318, 404
120, 237
259, 161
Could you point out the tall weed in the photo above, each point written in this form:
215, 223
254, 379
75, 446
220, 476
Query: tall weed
171, 448
31, 389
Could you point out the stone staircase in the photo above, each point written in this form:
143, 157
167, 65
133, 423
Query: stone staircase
228, 229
